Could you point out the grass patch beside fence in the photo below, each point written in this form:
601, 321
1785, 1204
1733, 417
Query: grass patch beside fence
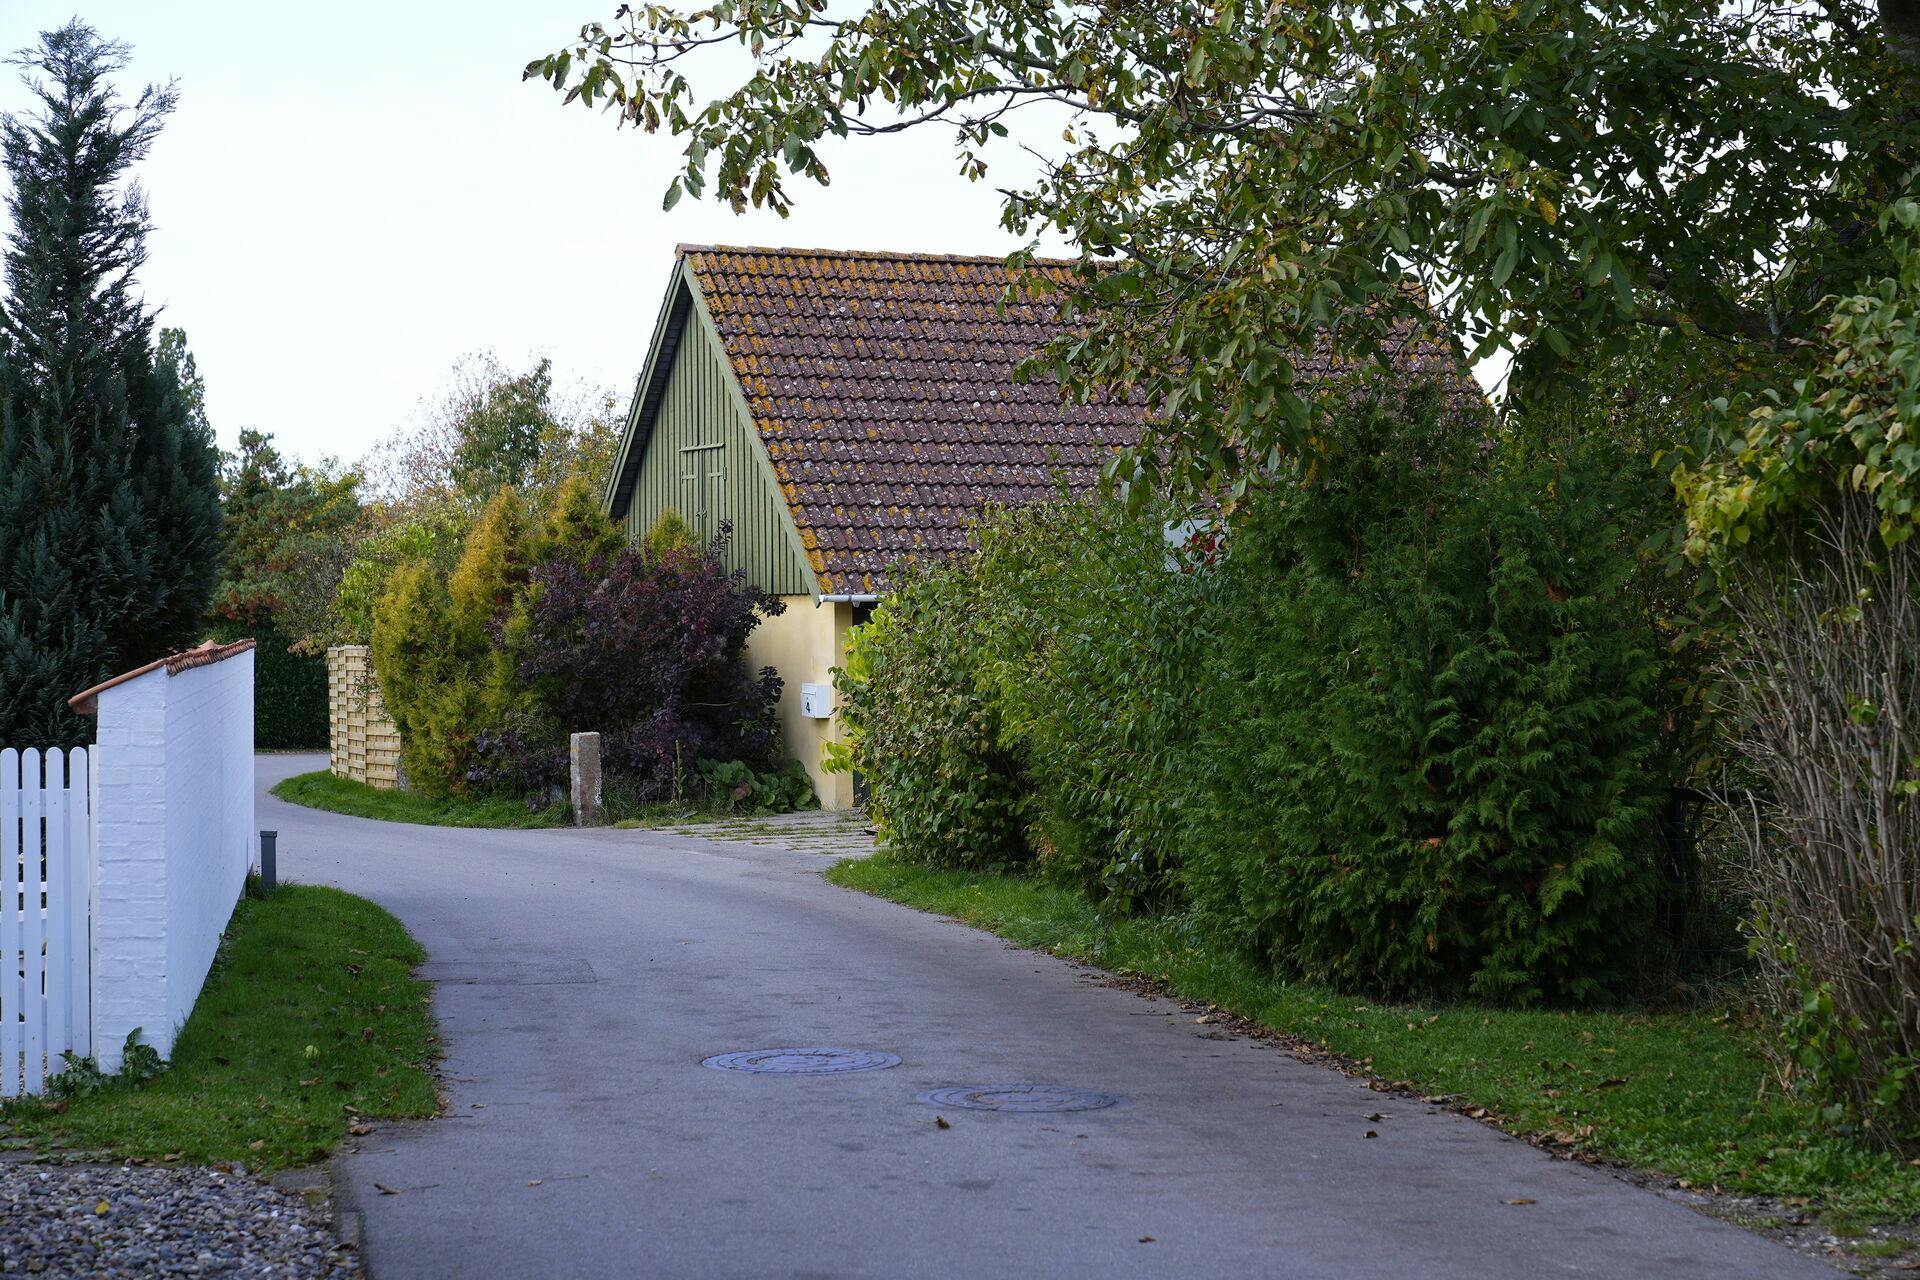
310, 1019
1680, 1093
322, 789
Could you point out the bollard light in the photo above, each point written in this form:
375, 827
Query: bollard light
267, 859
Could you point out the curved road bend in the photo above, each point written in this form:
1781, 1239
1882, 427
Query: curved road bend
584, 975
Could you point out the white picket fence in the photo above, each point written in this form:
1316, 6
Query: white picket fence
44, 945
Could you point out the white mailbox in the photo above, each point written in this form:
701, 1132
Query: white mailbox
816, 701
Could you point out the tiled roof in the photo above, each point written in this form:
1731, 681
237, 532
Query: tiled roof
87, 701
883, 387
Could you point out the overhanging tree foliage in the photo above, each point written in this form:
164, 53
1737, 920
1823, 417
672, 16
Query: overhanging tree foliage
109, 512
493, 426
1245, 181
288, 533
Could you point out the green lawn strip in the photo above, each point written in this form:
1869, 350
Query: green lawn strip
324, 790
310, 1017
1683, 1094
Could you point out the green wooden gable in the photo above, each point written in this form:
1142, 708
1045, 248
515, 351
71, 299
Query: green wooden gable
690, 445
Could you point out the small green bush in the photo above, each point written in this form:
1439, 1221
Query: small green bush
670, 532
1430, 756
425, 681
734, 786
433, 537
945, 779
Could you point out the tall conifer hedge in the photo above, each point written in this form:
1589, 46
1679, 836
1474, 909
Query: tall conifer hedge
109, 506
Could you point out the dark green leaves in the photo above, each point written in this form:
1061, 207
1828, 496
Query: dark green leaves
1256, 190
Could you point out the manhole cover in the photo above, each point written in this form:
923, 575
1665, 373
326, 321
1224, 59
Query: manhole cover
1020, 1097
802, 1062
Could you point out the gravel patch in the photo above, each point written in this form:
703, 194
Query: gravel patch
124, 1221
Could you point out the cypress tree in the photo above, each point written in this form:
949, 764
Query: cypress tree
109, 503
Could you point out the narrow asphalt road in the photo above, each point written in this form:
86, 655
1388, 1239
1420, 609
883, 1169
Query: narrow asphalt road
583, 976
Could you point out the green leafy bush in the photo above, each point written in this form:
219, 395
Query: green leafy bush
1806, 511
1093, 649
81, 1076
1430, 753
946, 780
1396, 731
734, 786
433, 538
289, 689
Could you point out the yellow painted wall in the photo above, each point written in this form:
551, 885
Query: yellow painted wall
804, 644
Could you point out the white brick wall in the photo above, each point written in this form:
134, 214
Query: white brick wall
173, 815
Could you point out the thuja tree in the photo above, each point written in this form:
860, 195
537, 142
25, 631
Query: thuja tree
109, 507
435, 647
1245, 181
1427, 763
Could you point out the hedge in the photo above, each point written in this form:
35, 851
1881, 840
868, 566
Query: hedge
289, 689
1397, 730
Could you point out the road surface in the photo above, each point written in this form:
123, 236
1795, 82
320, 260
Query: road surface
584, 976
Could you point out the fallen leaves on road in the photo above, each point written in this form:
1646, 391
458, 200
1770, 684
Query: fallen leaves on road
1521, 1200
941, 1122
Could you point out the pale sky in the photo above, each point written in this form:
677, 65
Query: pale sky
352, 195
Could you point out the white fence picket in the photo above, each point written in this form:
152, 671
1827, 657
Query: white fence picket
45, 979
76, 894
33, 920
12, 1023
52, 877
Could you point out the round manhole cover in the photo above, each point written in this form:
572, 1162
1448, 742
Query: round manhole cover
1020, 1097
802, 1062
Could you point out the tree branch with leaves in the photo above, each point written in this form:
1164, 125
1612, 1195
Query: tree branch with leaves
1245, 182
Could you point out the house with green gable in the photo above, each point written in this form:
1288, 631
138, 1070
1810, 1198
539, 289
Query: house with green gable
842, 411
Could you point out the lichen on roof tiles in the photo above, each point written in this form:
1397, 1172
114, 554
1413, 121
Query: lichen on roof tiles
883, 385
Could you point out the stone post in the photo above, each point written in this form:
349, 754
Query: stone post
583, 751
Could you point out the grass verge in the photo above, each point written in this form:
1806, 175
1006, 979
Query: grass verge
322, 789
310, 1018
1684, 1094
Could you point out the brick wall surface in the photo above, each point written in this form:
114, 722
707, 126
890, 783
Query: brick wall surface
174, 836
